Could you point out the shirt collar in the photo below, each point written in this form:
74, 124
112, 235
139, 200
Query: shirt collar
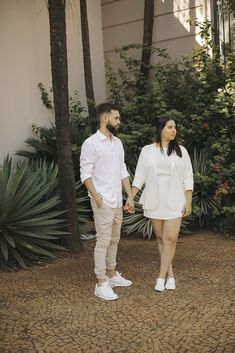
102, 137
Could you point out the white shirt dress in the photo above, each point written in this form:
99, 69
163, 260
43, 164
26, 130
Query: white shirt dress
166, 178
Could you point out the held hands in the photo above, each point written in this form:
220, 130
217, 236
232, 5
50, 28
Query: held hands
129, 205
187, 209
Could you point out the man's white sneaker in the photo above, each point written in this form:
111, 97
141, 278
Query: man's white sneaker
104, 291
170, 283
160, 284
118, 281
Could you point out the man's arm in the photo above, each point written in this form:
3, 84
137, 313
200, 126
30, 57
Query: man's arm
87, 162
129, 205
92, 190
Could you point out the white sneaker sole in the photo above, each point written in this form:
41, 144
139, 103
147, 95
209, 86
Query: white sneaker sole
170, 288
105, 298
119, 285
159, 290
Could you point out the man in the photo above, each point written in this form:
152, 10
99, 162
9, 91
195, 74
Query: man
103, 171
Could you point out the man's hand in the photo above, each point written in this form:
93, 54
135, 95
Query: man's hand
99, 200
129, 205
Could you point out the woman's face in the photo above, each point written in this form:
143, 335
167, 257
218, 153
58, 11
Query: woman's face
169, 131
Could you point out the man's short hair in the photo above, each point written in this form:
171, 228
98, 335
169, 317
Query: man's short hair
105, 108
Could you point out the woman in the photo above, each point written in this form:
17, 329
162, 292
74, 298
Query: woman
166, 171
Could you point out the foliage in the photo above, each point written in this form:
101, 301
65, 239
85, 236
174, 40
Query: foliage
45, 96
198, 91
204, 201
29, 224
44, 142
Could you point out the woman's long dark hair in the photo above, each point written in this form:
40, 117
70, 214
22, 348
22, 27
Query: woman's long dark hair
173, 145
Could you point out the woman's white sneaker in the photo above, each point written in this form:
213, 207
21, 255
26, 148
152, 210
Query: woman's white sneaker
104, 291
160, 284
118, 281
170, 283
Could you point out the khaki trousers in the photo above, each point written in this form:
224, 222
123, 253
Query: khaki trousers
108, 222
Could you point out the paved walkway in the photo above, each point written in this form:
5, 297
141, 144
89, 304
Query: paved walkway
52, 309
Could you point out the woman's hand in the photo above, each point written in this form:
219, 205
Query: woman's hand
129, 205
187, 210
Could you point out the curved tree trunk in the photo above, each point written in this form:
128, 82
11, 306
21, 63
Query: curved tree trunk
61, 104
147, 38
87, 62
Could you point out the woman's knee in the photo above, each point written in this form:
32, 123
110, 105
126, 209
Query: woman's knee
170, 240
159, 237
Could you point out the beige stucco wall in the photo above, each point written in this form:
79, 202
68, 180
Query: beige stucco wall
25, 61
123, 24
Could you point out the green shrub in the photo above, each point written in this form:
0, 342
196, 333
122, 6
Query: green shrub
29, 225
43, 144
199, 93
32, 224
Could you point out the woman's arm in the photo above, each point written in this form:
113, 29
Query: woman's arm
188, 203
188, 184
139, 178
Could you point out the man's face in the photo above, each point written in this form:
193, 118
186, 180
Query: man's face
114, 121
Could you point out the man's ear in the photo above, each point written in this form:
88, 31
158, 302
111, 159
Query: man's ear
104, 118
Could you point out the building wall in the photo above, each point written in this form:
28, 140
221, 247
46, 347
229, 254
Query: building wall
123, 24
25, 61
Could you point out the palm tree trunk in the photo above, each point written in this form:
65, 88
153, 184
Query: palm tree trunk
147, 38
87, 63
61, 103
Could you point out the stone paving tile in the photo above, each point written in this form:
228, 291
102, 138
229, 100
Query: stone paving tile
52, 309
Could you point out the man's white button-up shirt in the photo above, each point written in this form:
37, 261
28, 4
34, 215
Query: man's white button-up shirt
102, 159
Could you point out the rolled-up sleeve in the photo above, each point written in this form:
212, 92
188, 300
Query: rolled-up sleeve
87, 161
124, 171
139, 178
188, 172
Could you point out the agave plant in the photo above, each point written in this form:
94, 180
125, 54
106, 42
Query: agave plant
203, 199
29, 224
138, 224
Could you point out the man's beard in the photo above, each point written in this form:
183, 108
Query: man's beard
112, 129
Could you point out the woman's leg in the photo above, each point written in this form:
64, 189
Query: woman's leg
158, 230
170, 235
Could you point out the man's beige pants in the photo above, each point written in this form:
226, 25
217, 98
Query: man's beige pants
108, 222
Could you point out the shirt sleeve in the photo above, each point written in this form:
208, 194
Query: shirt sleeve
188, 172
139, 178
87, 161
124, 171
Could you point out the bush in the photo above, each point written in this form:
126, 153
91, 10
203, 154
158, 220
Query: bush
32, 225
199, 93
43, 144
29, 225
